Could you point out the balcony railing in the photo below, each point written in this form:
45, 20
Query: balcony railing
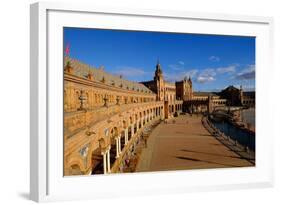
74, 122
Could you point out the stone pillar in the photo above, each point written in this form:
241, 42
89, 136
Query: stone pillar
210, 105
117, 147
132, 130
126, 136
104, 162
119, 140
108, 160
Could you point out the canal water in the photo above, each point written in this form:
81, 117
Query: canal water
249, 116
243, 137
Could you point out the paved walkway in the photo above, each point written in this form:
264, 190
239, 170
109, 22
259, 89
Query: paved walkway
185, 144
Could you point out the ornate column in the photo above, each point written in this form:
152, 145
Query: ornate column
119, 140
126, 136
108, 160
132, 130
104, 162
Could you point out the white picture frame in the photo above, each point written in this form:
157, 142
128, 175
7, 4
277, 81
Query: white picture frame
46, 176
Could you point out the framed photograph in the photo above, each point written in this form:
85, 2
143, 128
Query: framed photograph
132, 102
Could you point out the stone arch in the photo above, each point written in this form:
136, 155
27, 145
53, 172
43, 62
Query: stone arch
102, 144
114, 132
96, 158
124, 124
113, 144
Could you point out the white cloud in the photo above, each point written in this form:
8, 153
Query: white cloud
247, 74
208, 72
228, 69
181, 62
205, 79
190, 73
214, 58
207, 75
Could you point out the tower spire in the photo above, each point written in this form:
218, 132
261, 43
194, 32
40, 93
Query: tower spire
158, 68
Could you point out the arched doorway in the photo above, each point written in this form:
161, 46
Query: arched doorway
113, 145
97, 162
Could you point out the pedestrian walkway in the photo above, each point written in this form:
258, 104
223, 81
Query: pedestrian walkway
183, 143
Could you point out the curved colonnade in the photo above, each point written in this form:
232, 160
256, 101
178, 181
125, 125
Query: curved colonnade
100, 138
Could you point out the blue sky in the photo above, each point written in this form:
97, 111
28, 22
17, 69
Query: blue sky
213, 62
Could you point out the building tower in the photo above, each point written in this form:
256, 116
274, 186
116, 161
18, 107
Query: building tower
159, 81
210, 104
241, 95
188, 89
